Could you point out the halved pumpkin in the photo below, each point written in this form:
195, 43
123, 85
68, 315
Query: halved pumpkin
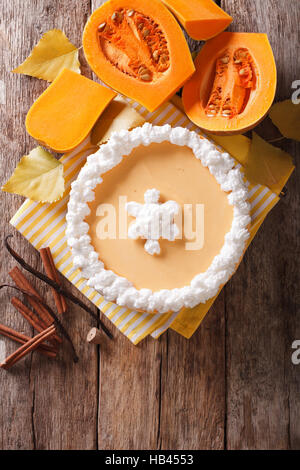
234, 84
202, 19
137, 48
66, 111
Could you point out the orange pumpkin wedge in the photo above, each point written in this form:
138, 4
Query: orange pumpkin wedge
234, 84
64, 114
202, 19
137, 48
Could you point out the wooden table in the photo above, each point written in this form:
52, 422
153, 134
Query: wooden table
232, 385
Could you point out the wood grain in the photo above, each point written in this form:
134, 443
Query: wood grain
45, 404
232, 385
193, 386
262, 315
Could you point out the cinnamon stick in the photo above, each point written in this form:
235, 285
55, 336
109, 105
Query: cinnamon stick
32, 318
56, 320
22, 282
52, 273
26, 348
94, 336
28, 314
55, 286
20, 338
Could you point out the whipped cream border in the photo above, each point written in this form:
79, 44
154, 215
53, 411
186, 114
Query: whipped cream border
204, 285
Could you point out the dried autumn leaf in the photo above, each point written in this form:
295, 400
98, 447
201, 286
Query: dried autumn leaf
237, 145
267, 165
286, 116
53, 53
118, 115
38, 176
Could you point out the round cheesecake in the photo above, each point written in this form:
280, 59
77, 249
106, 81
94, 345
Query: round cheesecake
178, 180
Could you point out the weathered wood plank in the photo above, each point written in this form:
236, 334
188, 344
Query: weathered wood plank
263, 404
129, 394
44, 404
193, 386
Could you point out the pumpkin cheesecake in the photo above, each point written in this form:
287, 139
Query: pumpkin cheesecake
158, 219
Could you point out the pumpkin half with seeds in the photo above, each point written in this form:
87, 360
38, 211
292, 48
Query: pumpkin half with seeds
137, 48
234, 84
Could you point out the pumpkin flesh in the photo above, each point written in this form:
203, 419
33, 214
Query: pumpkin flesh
137, 48
66, 111
202, 19
234, 84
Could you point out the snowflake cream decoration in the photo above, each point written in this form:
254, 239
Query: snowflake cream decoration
154, 220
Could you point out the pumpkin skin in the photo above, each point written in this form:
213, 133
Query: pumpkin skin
119, 41
202, 19
66, 111
237, 90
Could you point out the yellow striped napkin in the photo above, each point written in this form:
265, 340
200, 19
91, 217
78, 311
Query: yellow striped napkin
44, 225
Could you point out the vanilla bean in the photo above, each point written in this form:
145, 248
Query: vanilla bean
53, 315
54, 285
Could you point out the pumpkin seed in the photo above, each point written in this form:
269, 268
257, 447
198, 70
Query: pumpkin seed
146, 33
224, 60
114, 16
242, 72
164, 58
140, 25
155, 55
101, 26
145, 77
130, 12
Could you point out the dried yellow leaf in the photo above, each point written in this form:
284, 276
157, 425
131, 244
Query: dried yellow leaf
237, 145
286, 116
38, 176
50, 56
267, 165
117, 116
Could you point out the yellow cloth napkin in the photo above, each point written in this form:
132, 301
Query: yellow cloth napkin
45, 224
